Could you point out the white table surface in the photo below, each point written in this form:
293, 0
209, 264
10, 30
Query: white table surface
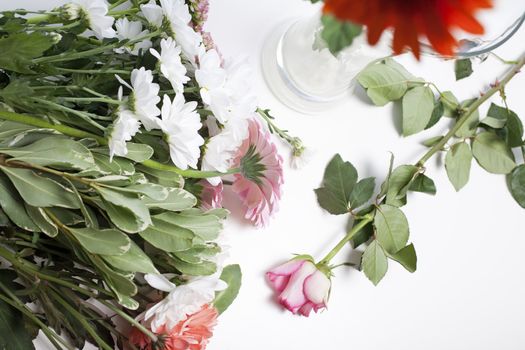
469, 290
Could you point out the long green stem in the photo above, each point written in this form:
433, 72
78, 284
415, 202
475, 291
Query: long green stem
81, 319
362, 223
83, 115
93, 71
53, 337
464, 116
91, 99
55, 28
66, 130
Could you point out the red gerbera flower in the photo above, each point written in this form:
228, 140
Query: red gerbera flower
410, 19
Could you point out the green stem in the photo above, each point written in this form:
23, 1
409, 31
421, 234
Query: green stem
365, 221
117, 3
81, 319
40, 18
66, 130
52, 29
70, 56
34, 271
464, 115
83, 115
93, 71
130, 319
53, 337
91, 99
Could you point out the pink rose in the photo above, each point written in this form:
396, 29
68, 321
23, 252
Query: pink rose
302, 287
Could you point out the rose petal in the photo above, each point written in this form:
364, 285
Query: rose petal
316, 287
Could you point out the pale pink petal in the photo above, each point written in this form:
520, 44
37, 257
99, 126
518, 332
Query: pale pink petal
317, 287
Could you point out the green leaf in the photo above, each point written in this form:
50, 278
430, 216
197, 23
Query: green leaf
514, 130
458, 162
13, 207
137, 152
339, 180
202, 268
398, 184
423, 184
15, 89
39, 217
463, 68
125, 210
153, 191
468, 129
493, 154
374, 262
162, 177
383, 83
338, 34
437, 113
168, 237
418, 105
450, 104
134, 260
206, 226
232, 275
178, 199
363, 235
517, 184
13, 334
431, 142
54, 151
391, 228
40, 191
496, 117
104, 242
362, 192
406, 257
20, 48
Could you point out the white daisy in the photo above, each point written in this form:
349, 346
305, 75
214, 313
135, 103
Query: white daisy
129, 30
123, 129
144, 97
180, 124
96, 14
171, 65
225, 91
181, 301
178, 16
153, 13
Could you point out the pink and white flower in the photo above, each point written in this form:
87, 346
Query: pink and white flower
259, 183
301, 286
211, 196
192, 333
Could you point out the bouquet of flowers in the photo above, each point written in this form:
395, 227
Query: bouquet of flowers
120, 127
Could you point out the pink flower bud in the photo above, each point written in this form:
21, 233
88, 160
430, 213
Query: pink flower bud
301, 286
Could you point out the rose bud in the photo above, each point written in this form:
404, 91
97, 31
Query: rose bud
301, 286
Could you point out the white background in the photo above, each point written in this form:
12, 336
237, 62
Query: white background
469, 289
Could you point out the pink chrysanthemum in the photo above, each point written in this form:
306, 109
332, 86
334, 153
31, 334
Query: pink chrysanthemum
261, 177
193, 333
211, 196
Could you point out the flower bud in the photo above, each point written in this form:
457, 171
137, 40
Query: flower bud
302, 287
71, 11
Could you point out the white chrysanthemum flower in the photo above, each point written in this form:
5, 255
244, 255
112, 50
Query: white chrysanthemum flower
153, 13
178, 16
181, 301
96, 14
144, 97
225, 91
180, 124
124, 128
301, 157
129, 30
171, 65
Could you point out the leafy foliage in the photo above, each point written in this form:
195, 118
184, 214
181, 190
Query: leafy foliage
338, 34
